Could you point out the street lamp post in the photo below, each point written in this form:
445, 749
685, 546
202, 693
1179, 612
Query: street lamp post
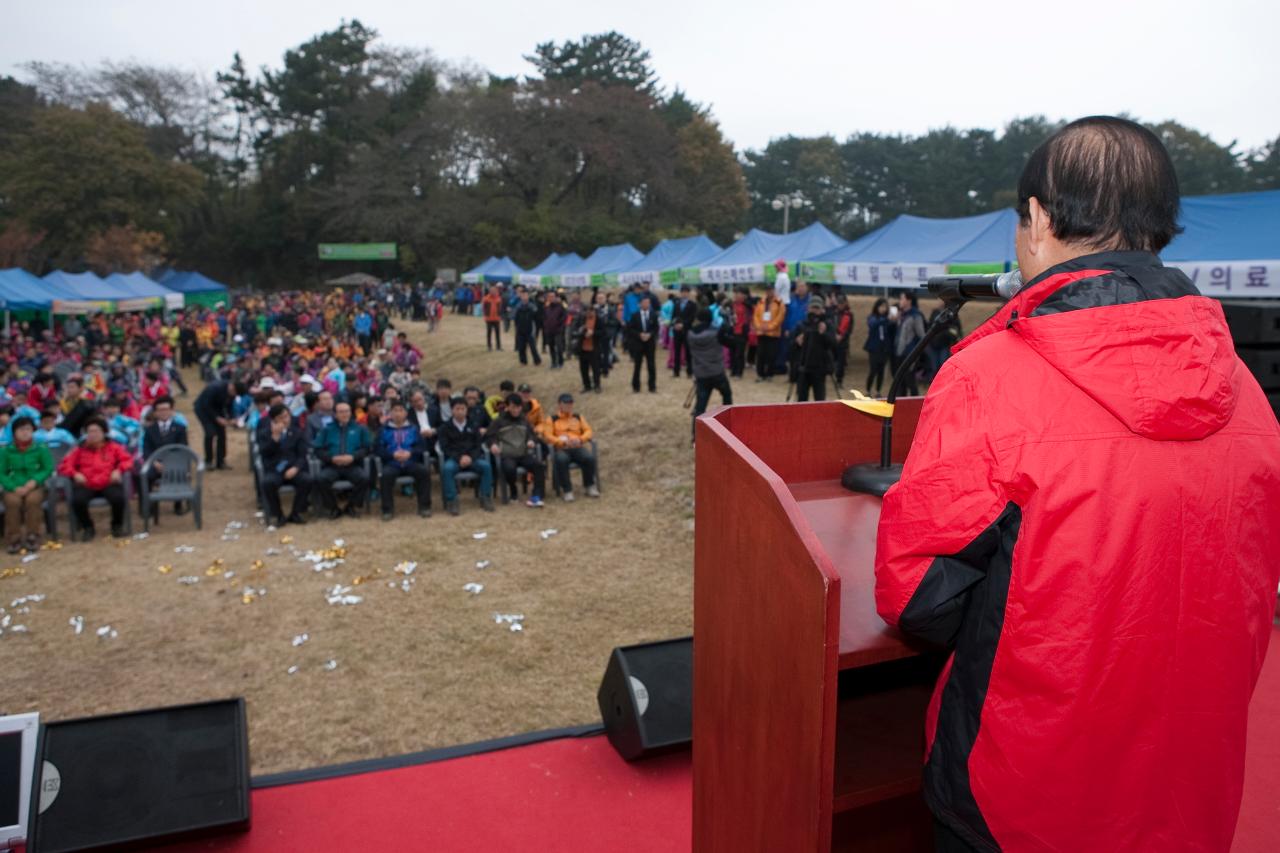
785, 202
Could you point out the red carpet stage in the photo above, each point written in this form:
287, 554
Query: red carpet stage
575, 794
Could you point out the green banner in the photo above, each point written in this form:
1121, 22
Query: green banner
357, 251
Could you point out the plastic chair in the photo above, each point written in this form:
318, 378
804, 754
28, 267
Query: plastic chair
595, 451
67, 485
469, 476
181, 479
372, 469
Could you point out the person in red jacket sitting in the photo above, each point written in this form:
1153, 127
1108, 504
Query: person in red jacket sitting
1086, 518
97, 468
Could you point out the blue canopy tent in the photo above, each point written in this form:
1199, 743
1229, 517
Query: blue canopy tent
196, 289
1230, 245
751, 259
551, 264
910, 249
476, 273
502, 270
604, 260
144, 288
662, 264
22, 291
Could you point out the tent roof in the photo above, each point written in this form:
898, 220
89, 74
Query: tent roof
502, 269
605, 259
83, 285
22, 290
479, 269
554, 262
353, 279
673, 254
985, 238
191, 282
1235, 226
138, 284
762, 247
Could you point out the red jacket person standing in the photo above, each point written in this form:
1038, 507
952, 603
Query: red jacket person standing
1086, 517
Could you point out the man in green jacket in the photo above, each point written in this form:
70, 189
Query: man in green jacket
24, 468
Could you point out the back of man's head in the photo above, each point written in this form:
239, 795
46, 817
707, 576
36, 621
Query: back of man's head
1106, 183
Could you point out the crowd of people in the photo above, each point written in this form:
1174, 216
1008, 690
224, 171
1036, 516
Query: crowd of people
791, 329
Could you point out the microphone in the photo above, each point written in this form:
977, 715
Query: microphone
957, 289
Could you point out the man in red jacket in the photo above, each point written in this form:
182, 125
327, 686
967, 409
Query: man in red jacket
1087, 518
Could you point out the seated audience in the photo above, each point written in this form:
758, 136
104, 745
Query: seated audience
342, 446
514, 444
284, 463
50, 434
460, 443
401, 448
570, 437
25, 466
97, 468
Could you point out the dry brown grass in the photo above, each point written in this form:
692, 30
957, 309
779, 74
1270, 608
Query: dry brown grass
416, 670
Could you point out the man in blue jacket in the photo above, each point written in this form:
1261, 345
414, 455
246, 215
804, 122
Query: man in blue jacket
402, 452
342, 446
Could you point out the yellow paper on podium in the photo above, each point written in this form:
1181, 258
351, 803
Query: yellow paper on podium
863, 403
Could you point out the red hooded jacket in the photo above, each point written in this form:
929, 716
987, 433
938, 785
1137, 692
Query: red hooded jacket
96, 465
1087, 517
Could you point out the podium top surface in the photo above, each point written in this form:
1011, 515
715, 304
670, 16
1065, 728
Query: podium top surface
845, 524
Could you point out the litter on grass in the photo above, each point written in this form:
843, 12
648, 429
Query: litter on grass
474, 588
77, 622
480, 535
548, 533
300, 639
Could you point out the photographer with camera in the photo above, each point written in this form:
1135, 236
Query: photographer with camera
813, 356
1085, 519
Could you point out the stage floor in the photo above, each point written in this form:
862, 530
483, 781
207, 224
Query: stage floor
575, 794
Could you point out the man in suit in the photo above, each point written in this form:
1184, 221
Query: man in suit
163, 431
642, 331
426, 420
284, 463
342, 447
213, 409
682, 317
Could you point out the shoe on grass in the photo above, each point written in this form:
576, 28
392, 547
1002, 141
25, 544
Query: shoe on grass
386, 516
534, 503
424, 512
296, 518
453, 507
486, 503
568, 497
593, 492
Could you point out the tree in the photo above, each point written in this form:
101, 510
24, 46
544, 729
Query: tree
608, 59
714, 189
1203, 166
78, 172
1264, 167
123, 248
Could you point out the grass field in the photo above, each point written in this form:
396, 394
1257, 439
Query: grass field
416, 669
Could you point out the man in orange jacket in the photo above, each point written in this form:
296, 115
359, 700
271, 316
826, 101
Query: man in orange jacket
492, 303
569, 435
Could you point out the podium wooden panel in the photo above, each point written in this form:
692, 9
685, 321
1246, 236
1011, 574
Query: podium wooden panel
808, 709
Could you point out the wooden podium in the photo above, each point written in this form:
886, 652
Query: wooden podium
808, 711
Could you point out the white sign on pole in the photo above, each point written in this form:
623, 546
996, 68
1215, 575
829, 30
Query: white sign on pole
886, 275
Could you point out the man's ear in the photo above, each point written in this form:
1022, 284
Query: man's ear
1040, 230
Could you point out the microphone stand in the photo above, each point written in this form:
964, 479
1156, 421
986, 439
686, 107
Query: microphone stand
875, 478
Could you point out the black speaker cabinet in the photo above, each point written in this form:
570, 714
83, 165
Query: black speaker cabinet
646, 698
1264, 364
144, 777
1253, 322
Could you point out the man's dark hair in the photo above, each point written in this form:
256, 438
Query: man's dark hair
514, 400
506, 385
97, 420
443, 383
24, 421
310, 399
1106, 182
275, 411
113, 403
49, 412
704, 315
163, 398
915, 300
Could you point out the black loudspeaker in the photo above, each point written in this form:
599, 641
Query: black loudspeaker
1264, 364
1253, 322
646, 698
143, 777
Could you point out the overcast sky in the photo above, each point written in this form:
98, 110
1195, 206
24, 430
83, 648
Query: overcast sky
767, 68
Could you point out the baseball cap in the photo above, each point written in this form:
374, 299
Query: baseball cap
525, 388
566, 397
